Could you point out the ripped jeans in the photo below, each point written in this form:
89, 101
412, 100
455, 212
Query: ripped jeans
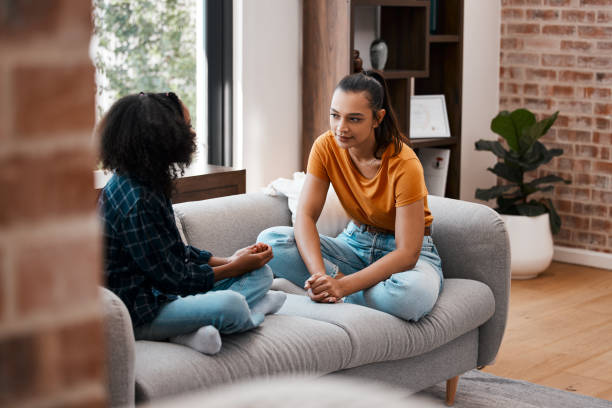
409, 295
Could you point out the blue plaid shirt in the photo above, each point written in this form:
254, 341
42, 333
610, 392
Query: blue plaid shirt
146, 263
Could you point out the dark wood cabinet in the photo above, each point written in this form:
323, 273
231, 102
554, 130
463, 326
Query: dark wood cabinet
420, 62
214, 181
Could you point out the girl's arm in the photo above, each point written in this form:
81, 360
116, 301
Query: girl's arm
409, 228
310, 205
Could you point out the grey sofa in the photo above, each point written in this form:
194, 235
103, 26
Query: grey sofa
463, 331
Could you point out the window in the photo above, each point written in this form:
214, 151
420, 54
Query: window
161, 45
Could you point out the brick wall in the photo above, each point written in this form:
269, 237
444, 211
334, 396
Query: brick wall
557, 55
51, 344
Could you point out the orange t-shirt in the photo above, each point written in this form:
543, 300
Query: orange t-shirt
398, 182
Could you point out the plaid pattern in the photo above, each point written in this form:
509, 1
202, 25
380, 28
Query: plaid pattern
146, 263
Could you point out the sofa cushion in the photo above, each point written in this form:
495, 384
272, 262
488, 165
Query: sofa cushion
282, 344
376, 336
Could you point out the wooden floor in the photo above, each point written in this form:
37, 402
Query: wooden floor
559, 331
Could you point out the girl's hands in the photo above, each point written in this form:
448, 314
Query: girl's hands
323, 288
250, 258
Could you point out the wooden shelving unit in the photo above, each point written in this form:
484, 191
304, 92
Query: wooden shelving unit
419, 62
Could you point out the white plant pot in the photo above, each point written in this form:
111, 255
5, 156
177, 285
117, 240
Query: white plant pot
531, 244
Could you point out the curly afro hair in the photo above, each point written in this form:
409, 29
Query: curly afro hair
146, 136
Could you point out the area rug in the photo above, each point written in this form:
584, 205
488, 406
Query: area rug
478, 389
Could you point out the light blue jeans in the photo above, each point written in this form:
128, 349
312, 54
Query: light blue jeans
409, 295
227, 306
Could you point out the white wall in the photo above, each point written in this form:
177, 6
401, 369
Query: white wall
481, 37
267, 89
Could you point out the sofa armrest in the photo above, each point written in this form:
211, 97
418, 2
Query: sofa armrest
119, 337
473, 243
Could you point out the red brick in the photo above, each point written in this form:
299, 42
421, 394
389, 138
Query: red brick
510, 88
578, 16
576, 45
561, 91
604, 46
18, 370
590, 209
515, 58
58, 274
602, 138
511, 72
596, 32
582, 165
590, 238
602, 123
604, 77
538, 74
575, 76
586, 151
558, 60
597, 93
530, 89
602, 196
42, 187
558, 30
511, 44
601, 225
545, 15
59, 22
594, 62
563, 205
50, 101
523, 28
538, 104
525, 2
562, 120
596, 2
583, 122
557, 3
83, 354
570, 135
603, 108
603, 167
604, 153
565, 163
575, 222
573, 106
604, 16
539, 43
584, 180
512, 14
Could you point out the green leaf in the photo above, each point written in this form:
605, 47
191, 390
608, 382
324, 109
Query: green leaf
503, 125
509, 172
529, 135
492, 146
547, 179
493, 192
555, 220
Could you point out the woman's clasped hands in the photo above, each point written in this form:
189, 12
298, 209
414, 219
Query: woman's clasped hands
323, 288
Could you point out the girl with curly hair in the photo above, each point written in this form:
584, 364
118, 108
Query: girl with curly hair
172, 290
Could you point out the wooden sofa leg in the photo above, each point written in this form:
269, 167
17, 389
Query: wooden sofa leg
451, 390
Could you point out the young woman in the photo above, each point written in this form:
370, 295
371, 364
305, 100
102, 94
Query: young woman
385, 258
171, 290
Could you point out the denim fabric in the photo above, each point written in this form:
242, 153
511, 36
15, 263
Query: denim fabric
409, 295
227, 306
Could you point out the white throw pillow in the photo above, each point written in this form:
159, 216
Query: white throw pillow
333, 218
179, 226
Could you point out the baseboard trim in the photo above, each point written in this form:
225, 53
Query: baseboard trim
583, 257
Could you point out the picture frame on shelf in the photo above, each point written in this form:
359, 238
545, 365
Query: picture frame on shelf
428, 117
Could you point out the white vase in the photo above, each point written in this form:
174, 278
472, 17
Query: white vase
531, 244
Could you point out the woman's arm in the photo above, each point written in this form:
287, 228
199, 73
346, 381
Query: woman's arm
409, 228
310, 206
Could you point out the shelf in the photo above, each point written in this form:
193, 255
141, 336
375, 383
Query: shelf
433, 142
437, 38
403, 74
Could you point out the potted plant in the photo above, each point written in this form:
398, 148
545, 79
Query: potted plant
529, 220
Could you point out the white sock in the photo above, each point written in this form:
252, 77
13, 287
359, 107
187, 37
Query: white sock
270, 303
206, 340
